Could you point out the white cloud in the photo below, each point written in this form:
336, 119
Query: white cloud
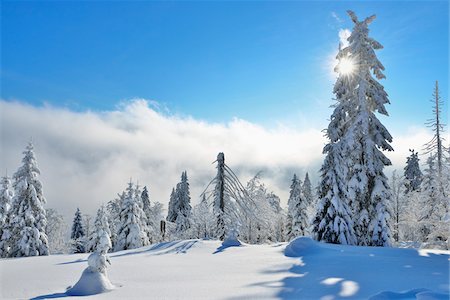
87, 157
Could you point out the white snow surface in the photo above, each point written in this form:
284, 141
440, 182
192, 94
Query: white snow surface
201, 269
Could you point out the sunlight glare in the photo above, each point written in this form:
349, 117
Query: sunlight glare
346, 66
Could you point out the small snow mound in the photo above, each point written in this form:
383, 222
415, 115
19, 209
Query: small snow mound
301, 246
90, 283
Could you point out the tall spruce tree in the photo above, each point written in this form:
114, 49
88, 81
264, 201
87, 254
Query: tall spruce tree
78, 234
353, 184
413, 175
28, 218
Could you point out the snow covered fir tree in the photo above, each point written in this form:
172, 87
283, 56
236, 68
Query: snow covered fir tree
354, 190
78, 234
24, 234
297, 219
132, 231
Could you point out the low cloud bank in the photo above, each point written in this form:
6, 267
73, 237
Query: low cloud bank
86, 158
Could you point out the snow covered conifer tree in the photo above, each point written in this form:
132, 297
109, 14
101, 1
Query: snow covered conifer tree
310, 198
413, 175
6, 195
132, 232
146, 205
78, 234
172, 211
28, 219
297, 206
184, 209
298, 211
101, 227
332, 222
362, 135
149, 216
114, 208
307, 190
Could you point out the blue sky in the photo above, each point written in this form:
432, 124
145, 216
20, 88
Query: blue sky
265, 62
66, 67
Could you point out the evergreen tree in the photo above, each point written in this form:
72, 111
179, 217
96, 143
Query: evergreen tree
6, 195
101, 227
114, 208
363, 136
172, 211
332, 222
413, 175
132, 231
310, 199
146, 205
78, 233
295, 198
28, 219
307, 190
149, 217
183, 209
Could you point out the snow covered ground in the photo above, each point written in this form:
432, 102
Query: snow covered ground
197, 269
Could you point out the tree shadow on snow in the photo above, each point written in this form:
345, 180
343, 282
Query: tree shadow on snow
50, 296
181, 246
226, 245
326, 271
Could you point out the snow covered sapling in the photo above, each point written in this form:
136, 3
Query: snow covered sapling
28, 219
78, 234
94, 279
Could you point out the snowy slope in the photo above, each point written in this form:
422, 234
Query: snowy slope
196, 269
